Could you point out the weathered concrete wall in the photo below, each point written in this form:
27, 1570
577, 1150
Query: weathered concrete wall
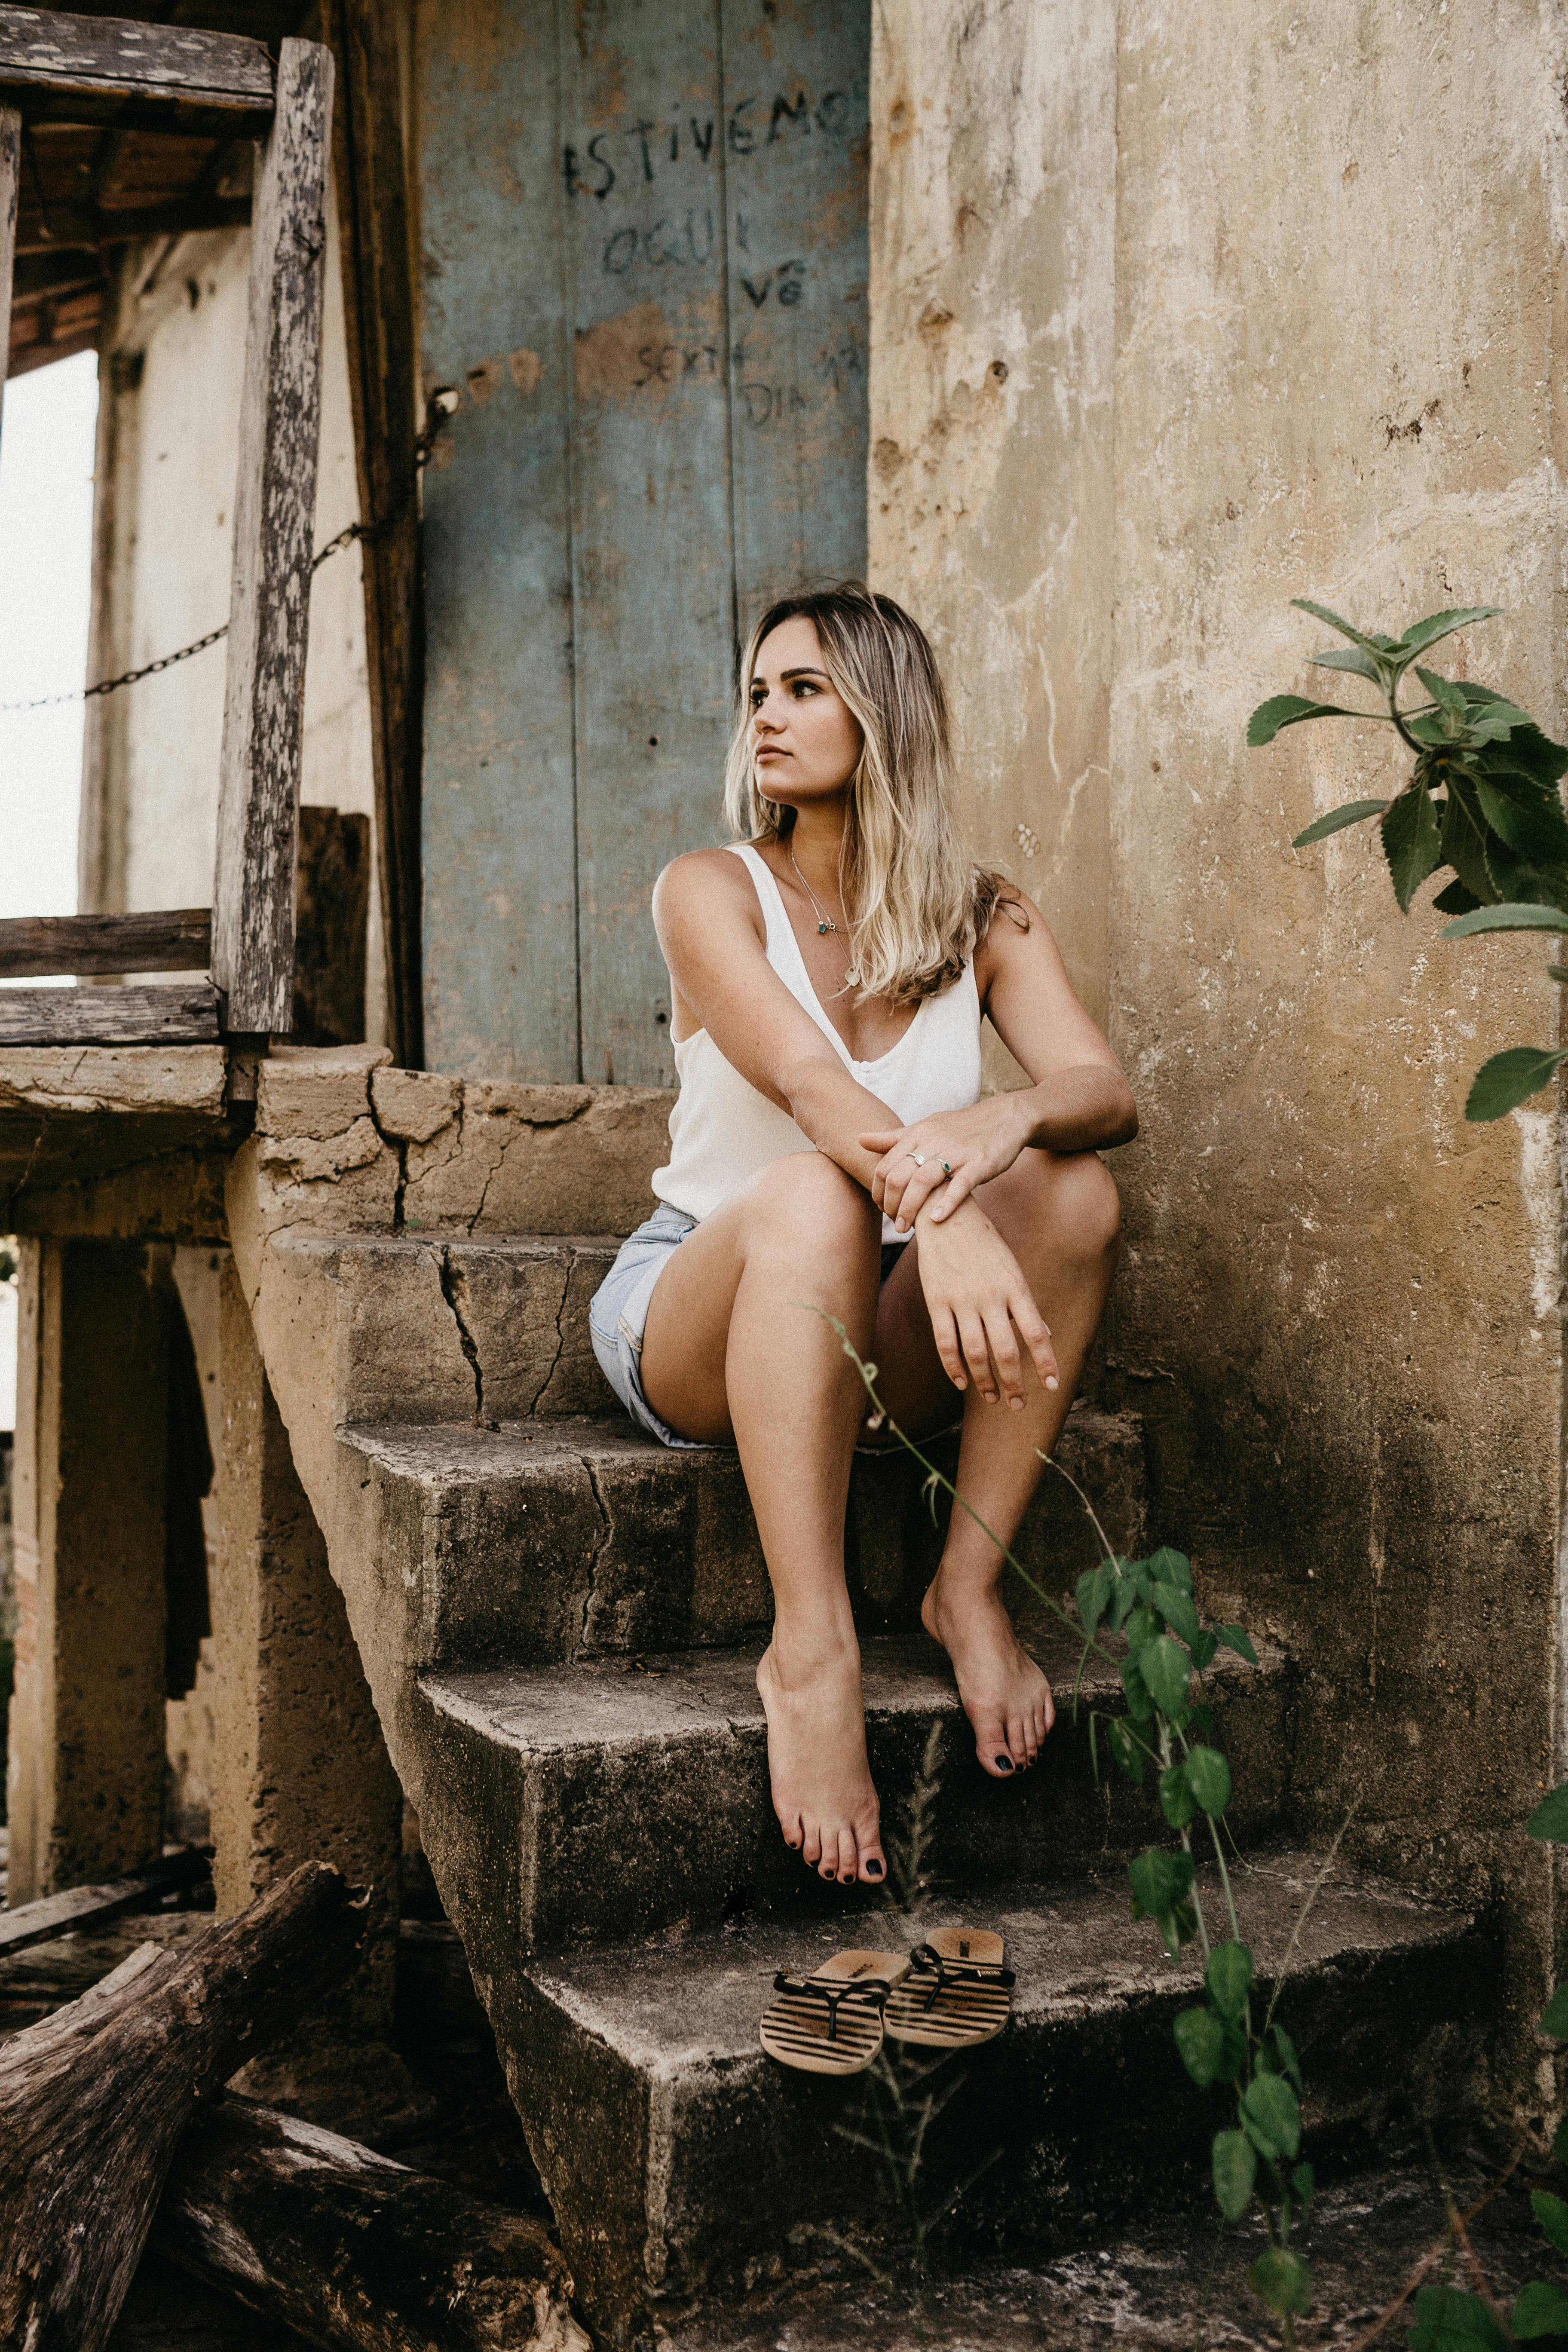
993, 200
1336, 269
173, 370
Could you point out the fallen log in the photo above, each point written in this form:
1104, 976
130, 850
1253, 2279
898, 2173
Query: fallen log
352, 2251
93, 2100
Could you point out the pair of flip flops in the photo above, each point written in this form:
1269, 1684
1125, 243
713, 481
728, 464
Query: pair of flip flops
951, 1992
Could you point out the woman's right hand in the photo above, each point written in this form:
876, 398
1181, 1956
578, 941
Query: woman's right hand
981, 1306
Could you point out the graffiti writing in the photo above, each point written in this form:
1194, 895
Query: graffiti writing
674, 363
679, 245
638, 152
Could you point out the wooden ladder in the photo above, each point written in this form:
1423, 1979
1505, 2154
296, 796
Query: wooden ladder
84, 70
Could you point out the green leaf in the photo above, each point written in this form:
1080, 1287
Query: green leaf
1180, 1612
1448, 2320
1529, 818
1123, 1594
1550, 1819
1352, 813
1203, 1649
1557, 971
1234, 2163
1534, 752
1357, 636
1288, 711
1143, 1626
1509, 1079
1449, 698
1140, 1706
1093, 1592
1168, 1566
1552, 2215
1128, 1755
1527, 881
1541, 2310
1349, 657
1161, 1879
1229, 1978
1411, 842
1166, 1668
1422, 634
1270, 2116
1463, 845
1303, 2185
1212, 2051
1510, 917
1235, 1637
1281, 2279
1289, 2062
1176, 1800
1208, 1778
1554, 2018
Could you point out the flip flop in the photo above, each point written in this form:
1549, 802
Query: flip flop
830, 2023
957, 1993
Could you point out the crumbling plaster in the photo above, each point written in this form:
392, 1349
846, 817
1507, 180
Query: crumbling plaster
1329, 246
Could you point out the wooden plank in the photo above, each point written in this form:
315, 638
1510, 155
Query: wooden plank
371, 175
66, 68
33, 946
10, 183
500, 948
274, 505
85, 1906
797, 183
70, 226
169, 1015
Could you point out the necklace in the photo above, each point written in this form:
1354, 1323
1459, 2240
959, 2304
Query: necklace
824, 922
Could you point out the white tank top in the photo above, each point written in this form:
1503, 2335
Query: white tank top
722, 1131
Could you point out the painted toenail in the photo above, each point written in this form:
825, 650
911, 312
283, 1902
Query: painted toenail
873, 1870
1004, 1763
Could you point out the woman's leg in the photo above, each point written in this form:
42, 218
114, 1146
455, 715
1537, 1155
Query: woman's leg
1061, 1219
729, 1354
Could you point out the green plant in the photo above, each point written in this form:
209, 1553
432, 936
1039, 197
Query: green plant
1482, 801
1168, 1726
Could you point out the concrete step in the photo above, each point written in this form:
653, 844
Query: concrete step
613, 1798
543, 1540
682, 2163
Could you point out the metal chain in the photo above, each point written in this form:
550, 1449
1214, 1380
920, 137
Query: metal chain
440, 407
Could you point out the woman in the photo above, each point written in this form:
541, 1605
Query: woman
830, 1148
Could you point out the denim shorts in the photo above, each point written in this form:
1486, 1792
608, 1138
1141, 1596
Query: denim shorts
617, 1313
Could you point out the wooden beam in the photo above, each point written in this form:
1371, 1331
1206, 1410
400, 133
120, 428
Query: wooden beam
63, 68
274, 515
10, 181
73, 227
371, 173
109, 1016
35, 946
85, 1906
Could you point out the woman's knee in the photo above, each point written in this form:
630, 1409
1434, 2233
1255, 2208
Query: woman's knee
1068, 1206
806, 1198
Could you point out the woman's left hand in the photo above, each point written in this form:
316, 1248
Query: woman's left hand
954, 1152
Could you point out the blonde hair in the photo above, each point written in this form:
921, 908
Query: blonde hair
916, 903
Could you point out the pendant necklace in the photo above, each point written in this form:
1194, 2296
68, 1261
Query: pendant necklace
824, 923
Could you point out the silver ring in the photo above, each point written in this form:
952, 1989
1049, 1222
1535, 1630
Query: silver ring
919, 1158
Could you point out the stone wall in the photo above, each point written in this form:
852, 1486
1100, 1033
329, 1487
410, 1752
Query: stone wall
1331, 276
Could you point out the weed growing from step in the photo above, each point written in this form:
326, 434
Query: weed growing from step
1483, 801
1231, 2037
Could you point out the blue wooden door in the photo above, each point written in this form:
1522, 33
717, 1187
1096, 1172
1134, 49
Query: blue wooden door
644, 271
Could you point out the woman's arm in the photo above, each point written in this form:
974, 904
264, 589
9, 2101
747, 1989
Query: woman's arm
710, 929
1079, 1100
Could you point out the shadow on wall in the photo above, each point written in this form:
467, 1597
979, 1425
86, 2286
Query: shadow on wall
7, 1605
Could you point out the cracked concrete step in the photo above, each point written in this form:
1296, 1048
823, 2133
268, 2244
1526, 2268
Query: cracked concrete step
432, 1327
547, 1539
610, 1797
681, 2162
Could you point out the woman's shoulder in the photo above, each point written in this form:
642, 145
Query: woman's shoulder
1007, 917
703, 879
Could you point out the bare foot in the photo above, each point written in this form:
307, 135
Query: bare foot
822, 1787
1005, 1696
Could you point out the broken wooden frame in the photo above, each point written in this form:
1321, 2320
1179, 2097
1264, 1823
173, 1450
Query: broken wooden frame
100, 69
